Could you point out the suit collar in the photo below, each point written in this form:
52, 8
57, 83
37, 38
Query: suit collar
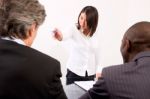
14, 40
141, 55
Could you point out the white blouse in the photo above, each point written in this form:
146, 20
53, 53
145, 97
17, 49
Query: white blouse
84, 52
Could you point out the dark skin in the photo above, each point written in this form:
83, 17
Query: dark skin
135, 40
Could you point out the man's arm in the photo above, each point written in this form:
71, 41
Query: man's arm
99, 91
56, 89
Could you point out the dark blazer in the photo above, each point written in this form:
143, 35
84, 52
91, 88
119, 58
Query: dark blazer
126, 81
26, 73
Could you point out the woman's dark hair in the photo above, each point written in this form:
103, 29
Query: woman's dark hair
91, 18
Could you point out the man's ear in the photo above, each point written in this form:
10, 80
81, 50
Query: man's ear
32, 29
31, 35
127, 45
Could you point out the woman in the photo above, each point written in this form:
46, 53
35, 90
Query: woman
83, 60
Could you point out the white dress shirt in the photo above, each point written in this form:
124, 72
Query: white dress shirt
84, 52
19, 41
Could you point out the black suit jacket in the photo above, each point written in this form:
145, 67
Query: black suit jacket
26, 73
126, 81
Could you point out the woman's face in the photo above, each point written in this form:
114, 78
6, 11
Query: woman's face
83, 22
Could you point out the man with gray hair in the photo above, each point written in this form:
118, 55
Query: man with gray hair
25, 73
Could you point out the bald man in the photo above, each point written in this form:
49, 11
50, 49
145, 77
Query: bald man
130, 80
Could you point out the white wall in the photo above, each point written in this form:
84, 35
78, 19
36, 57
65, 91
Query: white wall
115, 16
138, 10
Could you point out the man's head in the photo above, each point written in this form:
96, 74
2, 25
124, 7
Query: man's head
22, 19
135, 40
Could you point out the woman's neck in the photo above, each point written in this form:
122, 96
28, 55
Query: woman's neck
86, 32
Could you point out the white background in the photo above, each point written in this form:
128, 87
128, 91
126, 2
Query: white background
115, 17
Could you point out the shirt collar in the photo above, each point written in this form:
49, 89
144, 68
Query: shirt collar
19, 41
141, 55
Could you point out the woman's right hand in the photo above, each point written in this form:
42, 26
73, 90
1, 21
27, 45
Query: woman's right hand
57, 35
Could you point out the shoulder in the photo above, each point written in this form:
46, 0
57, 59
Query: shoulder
116, 70
72, 28
95, 42
70, 31
39, 58
112, 69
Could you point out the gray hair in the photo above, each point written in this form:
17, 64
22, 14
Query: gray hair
21, 14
